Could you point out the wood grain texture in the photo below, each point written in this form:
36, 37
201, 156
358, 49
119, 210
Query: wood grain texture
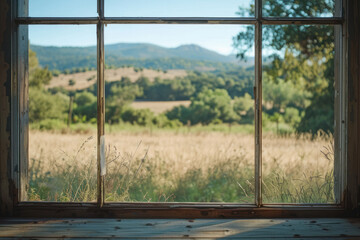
22, 73
353, 134
189, 228
161, 211
6, 185
178, 20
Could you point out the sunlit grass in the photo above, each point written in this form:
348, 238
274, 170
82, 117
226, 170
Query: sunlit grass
180, 166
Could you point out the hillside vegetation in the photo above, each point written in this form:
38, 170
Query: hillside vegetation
188, 57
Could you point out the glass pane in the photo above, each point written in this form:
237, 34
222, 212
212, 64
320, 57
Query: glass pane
62, 114
63, 8
185, 8
297, 8
179, 113
298, 114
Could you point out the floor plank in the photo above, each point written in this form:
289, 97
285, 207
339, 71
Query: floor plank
175, 229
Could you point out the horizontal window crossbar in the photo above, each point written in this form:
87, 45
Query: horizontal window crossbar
177, 20
147, 205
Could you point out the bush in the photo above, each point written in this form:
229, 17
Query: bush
292, 116
44, 105
161, 121
49, 124
84, 98
142, 117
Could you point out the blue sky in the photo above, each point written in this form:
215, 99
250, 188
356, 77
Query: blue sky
214, 37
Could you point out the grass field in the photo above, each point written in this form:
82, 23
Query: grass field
184, 165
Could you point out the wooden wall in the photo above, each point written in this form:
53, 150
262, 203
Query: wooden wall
353, 163
6, 185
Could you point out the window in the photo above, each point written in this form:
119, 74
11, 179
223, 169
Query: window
330, 19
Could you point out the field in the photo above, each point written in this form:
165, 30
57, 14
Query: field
182, 165
84, 80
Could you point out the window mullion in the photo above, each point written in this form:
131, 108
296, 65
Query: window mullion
258, 103
101, 168
339, 109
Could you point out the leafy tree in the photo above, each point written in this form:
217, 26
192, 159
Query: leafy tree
142, 117
281, 94
308, 59
38, 77
243, 104
207, 107
180, 113
121, 94
43, 105
84, 98
85, 105
244, 108
72, 82
292, 116
211, 105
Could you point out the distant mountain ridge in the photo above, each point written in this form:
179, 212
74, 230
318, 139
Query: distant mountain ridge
136, 54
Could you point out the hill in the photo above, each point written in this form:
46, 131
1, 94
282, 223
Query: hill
189, 57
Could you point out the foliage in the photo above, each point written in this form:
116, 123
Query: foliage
78, 59
38, 77
43, 105
207, 107
244, 108
72, 82
121, 94
307, 62
167, 90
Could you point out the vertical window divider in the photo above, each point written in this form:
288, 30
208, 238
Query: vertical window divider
340, 107
101, 166
258, 103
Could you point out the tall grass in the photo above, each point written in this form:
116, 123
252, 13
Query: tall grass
181, 167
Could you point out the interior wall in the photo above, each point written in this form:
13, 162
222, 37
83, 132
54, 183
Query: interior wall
6, 185
353, 153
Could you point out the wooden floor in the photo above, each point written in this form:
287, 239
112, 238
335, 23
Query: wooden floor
175, 229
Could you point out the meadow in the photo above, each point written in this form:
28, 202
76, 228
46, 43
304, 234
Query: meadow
188, 164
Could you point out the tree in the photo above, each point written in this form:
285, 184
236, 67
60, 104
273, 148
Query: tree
308, 57
38, 77
121, 94
207, 107
42, 103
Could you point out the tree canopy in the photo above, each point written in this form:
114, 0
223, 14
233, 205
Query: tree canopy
302, 59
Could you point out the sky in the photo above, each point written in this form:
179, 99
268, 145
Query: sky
218, 38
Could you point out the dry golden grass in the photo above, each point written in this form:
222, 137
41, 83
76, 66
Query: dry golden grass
170, 166
86, 79
159, 106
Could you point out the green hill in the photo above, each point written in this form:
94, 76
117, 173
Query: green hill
189, 57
